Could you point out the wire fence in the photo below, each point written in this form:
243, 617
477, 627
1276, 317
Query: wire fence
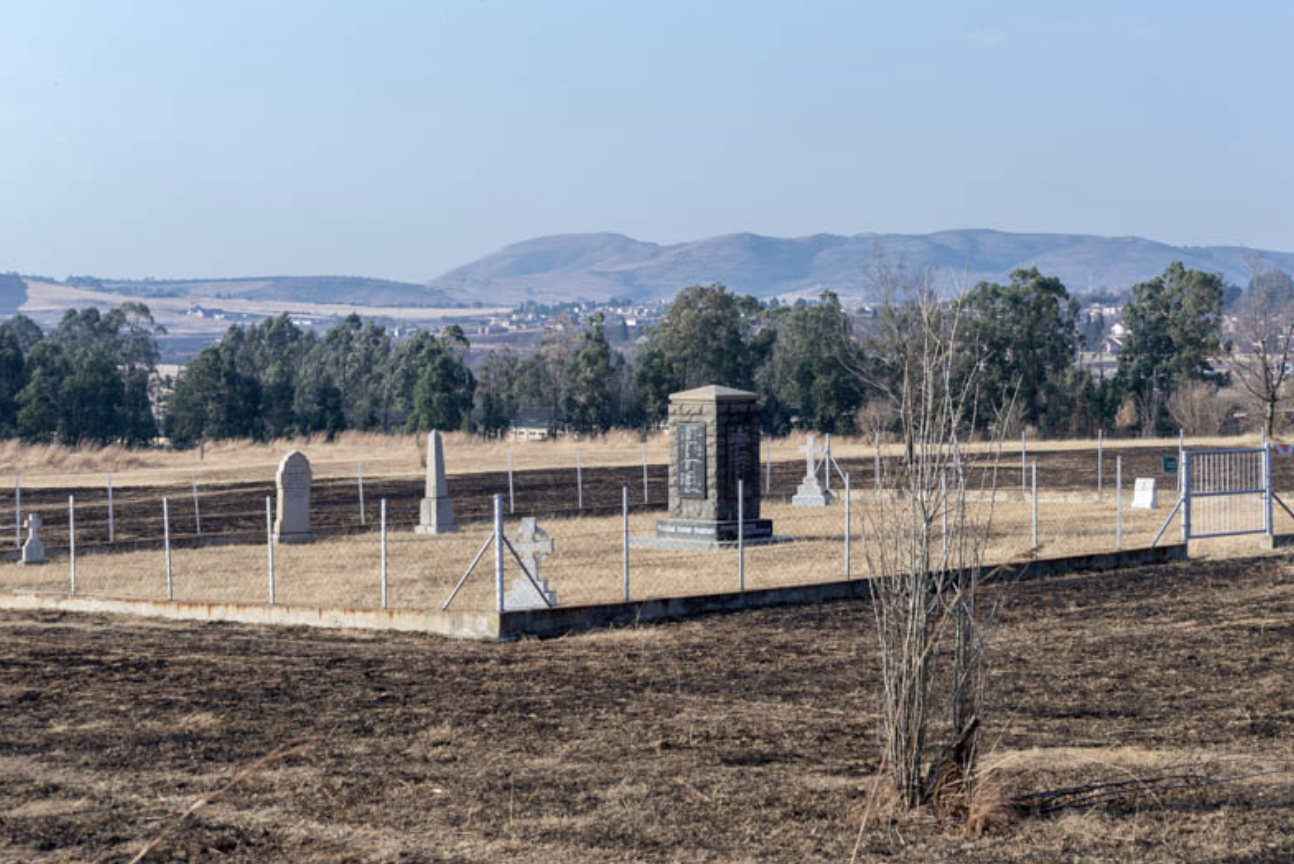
597, 553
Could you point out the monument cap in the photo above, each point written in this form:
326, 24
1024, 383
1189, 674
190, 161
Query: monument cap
714, 393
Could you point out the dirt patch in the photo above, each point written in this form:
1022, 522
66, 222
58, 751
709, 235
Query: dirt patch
734, 738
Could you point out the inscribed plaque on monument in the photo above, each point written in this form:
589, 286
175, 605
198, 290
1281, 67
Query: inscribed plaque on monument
691, 460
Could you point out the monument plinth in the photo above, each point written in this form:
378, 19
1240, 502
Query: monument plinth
713, 443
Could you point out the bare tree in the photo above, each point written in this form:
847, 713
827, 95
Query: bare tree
1266, 325
1197, 409
927, 537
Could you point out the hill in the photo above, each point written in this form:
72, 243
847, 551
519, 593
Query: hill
348, 290
601, 266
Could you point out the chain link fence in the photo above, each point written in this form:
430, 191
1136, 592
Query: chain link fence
218, 549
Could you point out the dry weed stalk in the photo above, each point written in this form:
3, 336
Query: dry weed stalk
260, 764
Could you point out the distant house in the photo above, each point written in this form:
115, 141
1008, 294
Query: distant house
532, 425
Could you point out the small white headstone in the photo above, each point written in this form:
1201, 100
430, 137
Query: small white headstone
292, 522
33, 551
810, 492
1144, 494
533, 545
436, 513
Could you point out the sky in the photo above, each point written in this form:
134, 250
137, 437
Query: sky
187, 138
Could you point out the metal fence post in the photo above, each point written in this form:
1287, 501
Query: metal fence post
383, 553
1184, 472
1118, 506
498, 553
741, 536
1034, 497
876, 468
166, 544
624, 539
579, 480
512, 501
645, 495
1100, 461
826, 462
197, 514
269, 542
71, 538
17, 510
112, 532
1268, 523
359, 478
767, 466
1024, 451
943, 499
849, 524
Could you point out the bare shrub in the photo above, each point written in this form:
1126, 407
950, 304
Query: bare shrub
1197, 409
925, 550
875, 417
1127, 418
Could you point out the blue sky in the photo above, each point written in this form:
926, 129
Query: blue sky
400, 139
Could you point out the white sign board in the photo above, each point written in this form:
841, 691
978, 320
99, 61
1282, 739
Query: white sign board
1143, 496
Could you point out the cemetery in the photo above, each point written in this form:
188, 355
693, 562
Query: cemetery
733, 735
416, 549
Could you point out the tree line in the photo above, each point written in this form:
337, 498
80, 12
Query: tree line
94, 377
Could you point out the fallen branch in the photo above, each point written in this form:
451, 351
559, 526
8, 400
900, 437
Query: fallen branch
265, 761
1093, 794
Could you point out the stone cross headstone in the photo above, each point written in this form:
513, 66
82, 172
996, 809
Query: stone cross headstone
436, 513
714, 444
532, 545
1144, 494
33, 551
292, 513
810, 492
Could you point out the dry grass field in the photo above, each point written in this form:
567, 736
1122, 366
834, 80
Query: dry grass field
738, 738
586, 566
400, 455
343, 570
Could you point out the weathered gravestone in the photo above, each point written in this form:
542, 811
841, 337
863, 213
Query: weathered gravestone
292, 514
33, 551
713, 443
810, 493
436, 513
1144, 494
532, 545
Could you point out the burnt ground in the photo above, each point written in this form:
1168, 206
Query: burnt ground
740, 738
238, 509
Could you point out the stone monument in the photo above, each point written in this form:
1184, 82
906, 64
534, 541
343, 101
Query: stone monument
1144, 494
436, 514
532, 545
713, 443
292, 513
33, 551
810, 493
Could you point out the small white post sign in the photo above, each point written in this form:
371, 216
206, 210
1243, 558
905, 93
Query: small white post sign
1144, 495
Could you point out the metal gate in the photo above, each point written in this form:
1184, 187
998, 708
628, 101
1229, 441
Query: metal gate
1223, 493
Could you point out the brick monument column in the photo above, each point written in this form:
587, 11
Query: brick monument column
713, 442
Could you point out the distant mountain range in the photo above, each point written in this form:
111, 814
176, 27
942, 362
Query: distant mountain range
601, 266
570, 267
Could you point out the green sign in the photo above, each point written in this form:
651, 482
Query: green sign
1170, 464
